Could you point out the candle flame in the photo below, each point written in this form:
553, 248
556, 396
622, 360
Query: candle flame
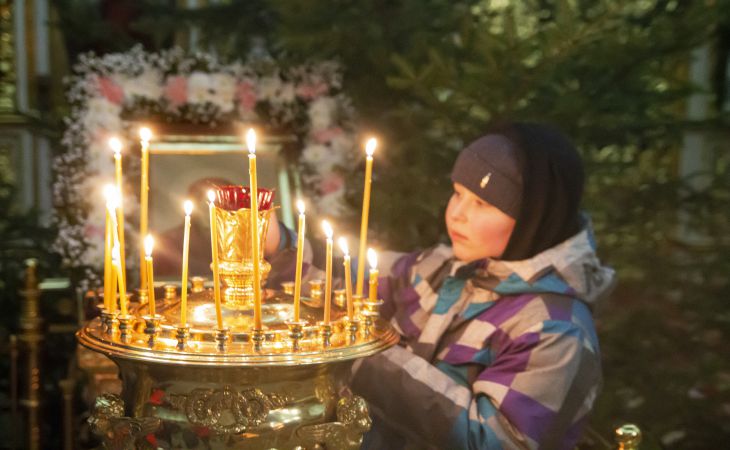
300, 206
145, 134
370, 146
188, 206
342, 241
327, 229
149, 243
211, 196
116, 145
372, 259
251, 141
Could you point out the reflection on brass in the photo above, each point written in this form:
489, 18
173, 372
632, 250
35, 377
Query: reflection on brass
346, 434
628, 437
288, 287
340, 298
226, 410
118, 432
235, 254
316, 288
31, 336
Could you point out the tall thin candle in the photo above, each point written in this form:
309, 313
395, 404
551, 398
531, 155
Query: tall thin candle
348, 278
120, 280
369, 150
300, 257
373, 287
116, 146
251, 142
214, 253
328, 272
112, 204
188, 205
149, 243
144, 135
109, 288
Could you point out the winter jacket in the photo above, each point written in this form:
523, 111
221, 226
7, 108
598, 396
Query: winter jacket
493, 355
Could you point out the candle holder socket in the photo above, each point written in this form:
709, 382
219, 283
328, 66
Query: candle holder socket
257, 336
142, 296
221, 337
198, 284
109, 321
296, 333
126, 322
325, 332
352, 326
316, 288
182, 334
170, 293
288, 287
151, 327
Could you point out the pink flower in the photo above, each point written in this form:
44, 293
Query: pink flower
176, 90
110, 90
309, 91
327, 134
332, 182
246, 95
156, 396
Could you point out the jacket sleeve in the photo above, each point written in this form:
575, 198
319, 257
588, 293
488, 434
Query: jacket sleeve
535, 394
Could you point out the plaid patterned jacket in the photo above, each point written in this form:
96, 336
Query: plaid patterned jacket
493, 355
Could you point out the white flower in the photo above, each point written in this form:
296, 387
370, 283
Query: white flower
217, 89
147, 85
222, 89
269, 87
102, 114
321, 112
198, 85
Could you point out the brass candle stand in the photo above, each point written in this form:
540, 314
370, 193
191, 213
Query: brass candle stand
281, 386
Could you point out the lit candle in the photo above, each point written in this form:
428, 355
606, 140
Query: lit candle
251, 142
116, 146
328, 272
122, 288
369, 150
144, 135
373, 287
188, 205
112, 203
109, 288
348, 281
149, 243
214, 253
300, 257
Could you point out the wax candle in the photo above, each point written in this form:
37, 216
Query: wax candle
109, 288
112, 204
348, 281
116, 146
122, 288
328, 272
188, 205
369, 150
373, 287
300, 258
251, 142
214, 253
144, 135
149, 243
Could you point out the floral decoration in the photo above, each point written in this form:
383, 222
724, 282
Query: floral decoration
108, 92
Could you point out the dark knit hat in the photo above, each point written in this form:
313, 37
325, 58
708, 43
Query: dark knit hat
490, 168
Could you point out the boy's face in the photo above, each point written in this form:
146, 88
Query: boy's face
477, 229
